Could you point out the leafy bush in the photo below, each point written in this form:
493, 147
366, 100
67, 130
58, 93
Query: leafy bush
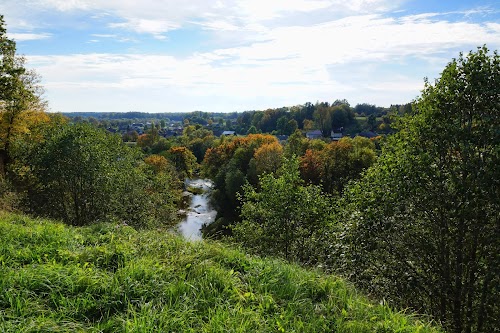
422, 228
82, 175
282, 217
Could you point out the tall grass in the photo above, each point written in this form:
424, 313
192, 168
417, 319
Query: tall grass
111, 278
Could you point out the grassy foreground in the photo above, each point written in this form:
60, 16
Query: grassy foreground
109, 278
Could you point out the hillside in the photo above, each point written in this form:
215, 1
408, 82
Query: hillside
110, 278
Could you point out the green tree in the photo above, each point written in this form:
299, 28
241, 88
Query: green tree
296, 144
81, 174
281, 124
323, 118
79, 171
252, 130
283, 217
423, 226
291, 127
341, 116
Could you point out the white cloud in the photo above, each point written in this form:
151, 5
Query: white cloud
104, 35
158, 17
154, 27
28, 36
65, 5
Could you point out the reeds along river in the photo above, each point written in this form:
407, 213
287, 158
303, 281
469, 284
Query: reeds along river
199, 211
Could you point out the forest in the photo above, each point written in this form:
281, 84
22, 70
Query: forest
409, 214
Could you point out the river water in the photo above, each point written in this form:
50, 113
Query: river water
199, 211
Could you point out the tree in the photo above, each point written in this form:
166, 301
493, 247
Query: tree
252, 130
230, 164
283, 217
78, 172
183, 160
307, 124
296, 144
344, 160
323, 118
21, 105
157, 162
291, 127
281, 124
372, 122
268, 158
423, 225
81, 175
310, 167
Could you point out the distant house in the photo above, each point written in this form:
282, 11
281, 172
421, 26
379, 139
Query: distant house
228, 133
316, 134
368, 134
336, 136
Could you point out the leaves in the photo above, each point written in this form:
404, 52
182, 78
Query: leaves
421, 227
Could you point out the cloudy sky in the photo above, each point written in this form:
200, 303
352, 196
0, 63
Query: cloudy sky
237, 55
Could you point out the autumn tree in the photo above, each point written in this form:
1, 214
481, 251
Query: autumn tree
21, 105
268, 158
230, 164
157, 162
422, 229
183, 160
310, 167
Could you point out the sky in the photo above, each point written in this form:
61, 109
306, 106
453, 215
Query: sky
239, 55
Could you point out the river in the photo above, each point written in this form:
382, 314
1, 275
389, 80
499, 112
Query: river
199, 211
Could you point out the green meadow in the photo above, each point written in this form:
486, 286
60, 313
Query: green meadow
112, 278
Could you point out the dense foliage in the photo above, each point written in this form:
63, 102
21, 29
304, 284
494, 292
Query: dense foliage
282, 217
231, 163
422, 228
77, 175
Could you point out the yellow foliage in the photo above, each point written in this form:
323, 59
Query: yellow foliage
268, 157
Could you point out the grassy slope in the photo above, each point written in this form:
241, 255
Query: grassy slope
108, 278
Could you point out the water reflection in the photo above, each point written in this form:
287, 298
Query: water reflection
199, 212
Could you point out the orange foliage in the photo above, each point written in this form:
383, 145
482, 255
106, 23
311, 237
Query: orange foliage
216, 157
157, 162
144, 140
310, 166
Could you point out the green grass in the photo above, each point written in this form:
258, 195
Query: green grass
111, 278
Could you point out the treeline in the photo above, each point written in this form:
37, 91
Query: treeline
338, 116
117, 120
